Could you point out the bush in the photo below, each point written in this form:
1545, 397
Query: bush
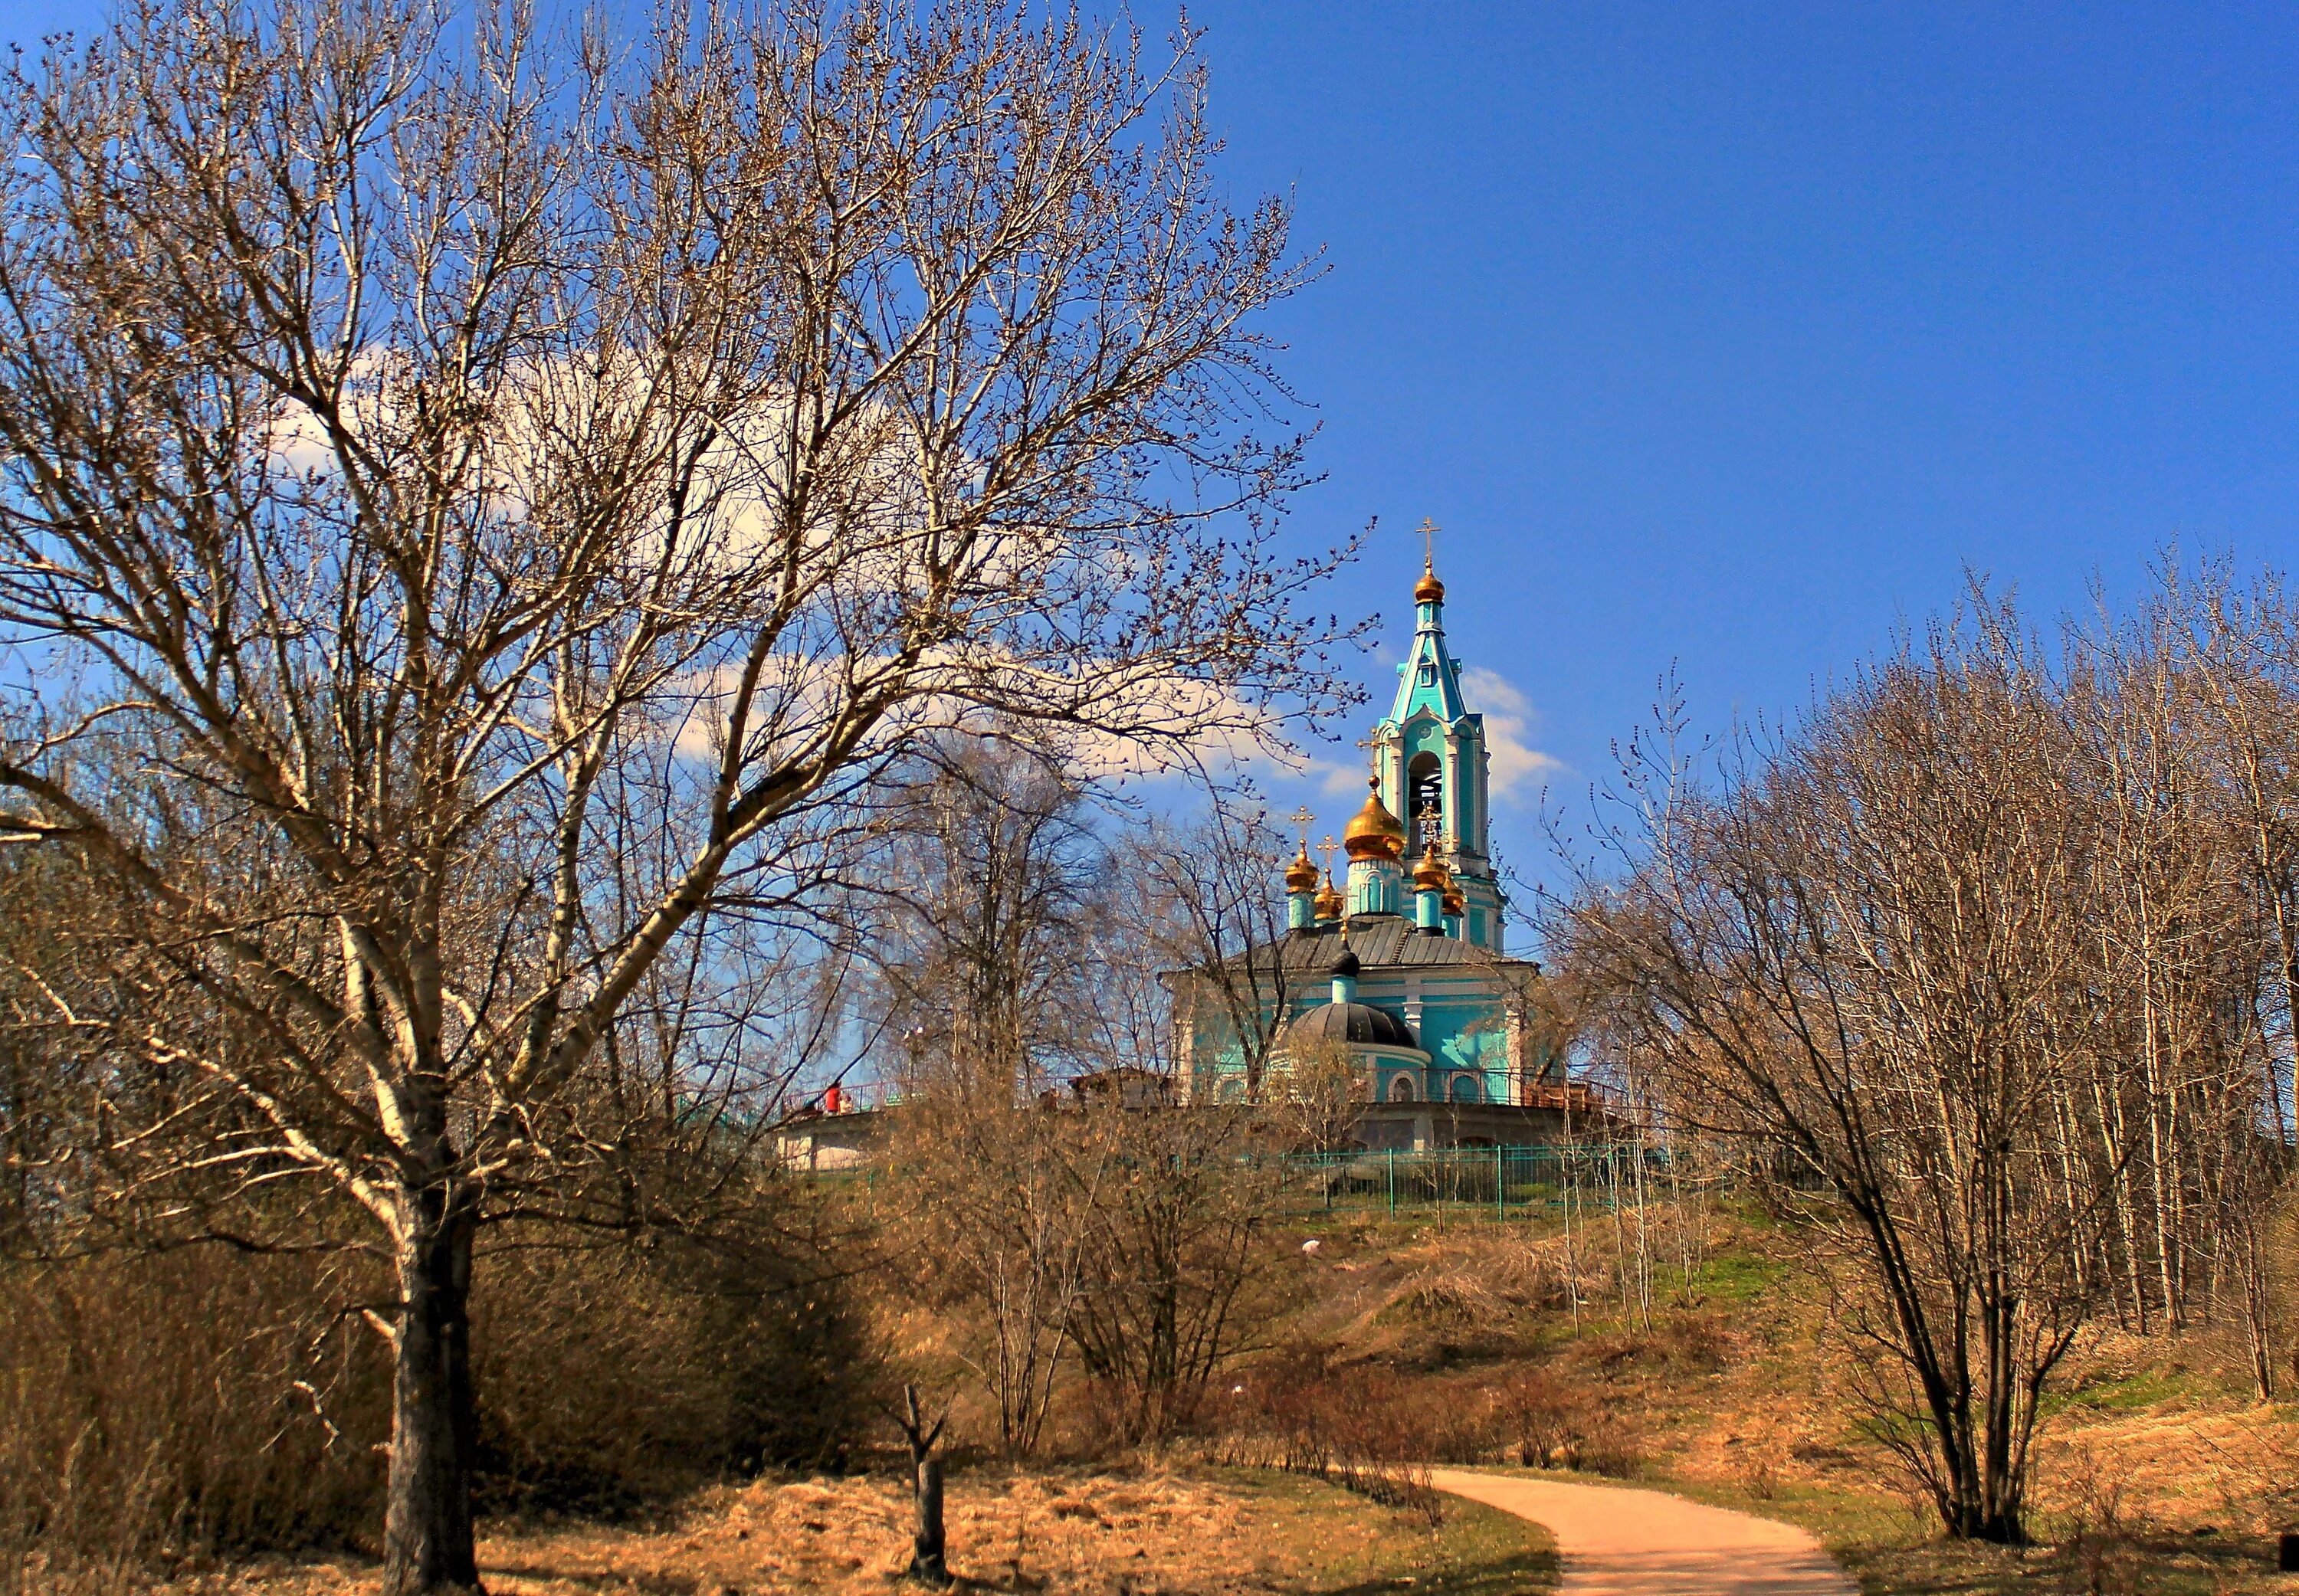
1357, 1426
156, 1408
1553, 1422
614, 1377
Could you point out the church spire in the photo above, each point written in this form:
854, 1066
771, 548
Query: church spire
1429, 679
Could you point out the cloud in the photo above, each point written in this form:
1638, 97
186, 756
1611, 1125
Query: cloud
1517, 767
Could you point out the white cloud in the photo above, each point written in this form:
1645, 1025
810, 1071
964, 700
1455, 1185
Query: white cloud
1517, 768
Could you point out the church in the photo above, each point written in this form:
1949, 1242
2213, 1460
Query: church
1401, 968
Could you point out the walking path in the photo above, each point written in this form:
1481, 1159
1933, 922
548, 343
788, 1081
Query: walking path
1615, 1542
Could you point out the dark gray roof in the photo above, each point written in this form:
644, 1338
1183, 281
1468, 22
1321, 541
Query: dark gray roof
1349, 1023
1378, 939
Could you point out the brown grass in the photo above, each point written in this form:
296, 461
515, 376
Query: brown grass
1210, 1532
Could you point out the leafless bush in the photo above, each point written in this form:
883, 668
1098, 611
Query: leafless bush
160, 1410
1354, 1426
157, 1408
1552, 1422
621, 1373
2096, 1532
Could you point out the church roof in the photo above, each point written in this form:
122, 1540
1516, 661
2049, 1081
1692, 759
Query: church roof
1349, 1023
1378, 940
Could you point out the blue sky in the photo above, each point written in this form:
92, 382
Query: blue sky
1728, 336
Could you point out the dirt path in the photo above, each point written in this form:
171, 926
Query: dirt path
1615, 1542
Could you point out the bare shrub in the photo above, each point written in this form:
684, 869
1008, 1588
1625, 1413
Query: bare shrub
1552, 1422
620, 1375
1352, 1425
156, 1409
2098, 1534
158, 1412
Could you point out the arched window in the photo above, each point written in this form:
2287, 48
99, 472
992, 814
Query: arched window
1400, 1088
1467, 1089
1424, 782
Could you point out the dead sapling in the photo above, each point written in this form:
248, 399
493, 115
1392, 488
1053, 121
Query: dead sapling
926, 1544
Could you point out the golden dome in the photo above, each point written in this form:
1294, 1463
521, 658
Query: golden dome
1330, 902
1300, 876
1428, 590
1455, 903
1373, 832
1431, 875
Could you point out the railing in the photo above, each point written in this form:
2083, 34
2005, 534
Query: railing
1469, 1183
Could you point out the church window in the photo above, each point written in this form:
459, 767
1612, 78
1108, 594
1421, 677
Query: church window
1466, 1089
1400, 1088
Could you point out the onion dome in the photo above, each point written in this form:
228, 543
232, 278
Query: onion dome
1330, 902
1428, 590
1345, 962
1431, 875
1300, 876
1349, 1023
1373, 832
1455, 903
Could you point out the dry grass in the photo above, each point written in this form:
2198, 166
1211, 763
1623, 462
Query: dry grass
1209, 1533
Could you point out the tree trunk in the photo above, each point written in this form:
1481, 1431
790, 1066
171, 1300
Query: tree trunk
427, 1535
926, 1541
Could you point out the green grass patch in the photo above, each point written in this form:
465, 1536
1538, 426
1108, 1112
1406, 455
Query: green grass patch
1737, 1276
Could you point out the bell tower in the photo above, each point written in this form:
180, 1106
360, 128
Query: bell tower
1430, 753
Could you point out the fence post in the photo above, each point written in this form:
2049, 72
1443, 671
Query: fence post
1392, 1183
1500, 1184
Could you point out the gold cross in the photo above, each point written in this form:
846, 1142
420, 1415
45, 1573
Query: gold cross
1429, 530
1326, 848
1301, 817
1428, 819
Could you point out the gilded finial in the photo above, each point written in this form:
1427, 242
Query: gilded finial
1430, 875
1301, 875
1428, 590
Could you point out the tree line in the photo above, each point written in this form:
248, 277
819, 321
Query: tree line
1991, 949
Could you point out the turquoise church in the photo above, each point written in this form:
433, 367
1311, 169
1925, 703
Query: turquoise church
1401, 969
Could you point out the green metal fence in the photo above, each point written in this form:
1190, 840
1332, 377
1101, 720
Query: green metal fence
1475, 1182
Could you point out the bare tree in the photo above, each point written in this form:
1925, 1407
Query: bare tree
1203, 907
496, 502
976, 915
1858, 948
1990, 945
1178, 1277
